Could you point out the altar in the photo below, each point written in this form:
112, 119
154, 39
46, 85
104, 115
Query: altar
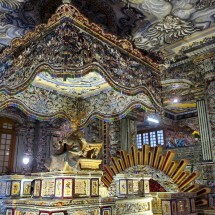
61, 193
118, 189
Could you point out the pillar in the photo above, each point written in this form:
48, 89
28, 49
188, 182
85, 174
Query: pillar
211, 112
205, 130
208, 106
20, 151
114, 137
106, 143
118, 135
42, 146
128, 132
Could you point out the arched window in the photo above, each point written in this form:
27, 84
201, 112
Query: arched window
7, 145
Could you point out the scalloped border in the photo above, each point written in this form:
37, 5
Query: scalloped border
108, 118
84, 70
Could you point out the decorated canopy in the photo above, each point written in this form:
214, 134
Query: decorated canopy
35, 71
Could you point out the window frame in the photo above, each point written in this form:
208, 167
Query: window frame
13, 141
156, 136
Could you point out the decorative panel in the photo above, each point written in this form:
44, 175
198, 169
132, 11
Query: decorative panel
16, 188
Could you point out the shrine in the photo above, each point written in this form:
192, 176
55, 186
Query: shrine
90, 123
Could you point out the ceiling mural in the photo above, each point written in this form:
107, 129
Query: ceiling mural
171, 21
151, 24
19, 17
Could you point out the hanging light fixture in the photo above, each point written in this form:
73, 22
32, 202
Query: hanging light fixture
154, 117
150, 119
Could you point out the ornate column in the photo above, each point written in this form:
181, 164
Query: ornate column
206, 114
205, 130
106, 143
43, 146
20, 150
128, 132
118, 135
114, 135
211, 110
206, 111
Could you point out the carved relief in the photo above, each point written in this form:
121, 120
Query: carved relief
112, 104
42, 147
129, 208
114, 135
47, 104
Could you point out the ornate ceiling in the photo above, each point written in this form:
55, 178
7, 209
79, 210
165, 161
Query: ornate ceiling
155, 26
151, 24
88, 85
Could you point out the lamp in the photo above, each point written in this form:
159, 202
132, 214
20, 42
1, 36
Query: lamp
26, 160
150, 119
153, 117
175, 100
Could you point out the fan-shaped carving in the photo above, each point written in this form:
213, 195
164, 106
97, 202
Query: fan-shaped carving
153, 158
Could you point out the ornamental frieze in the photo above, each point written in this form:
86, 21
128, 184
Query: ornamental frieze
113, 105
132, 207
46, 105
37, 102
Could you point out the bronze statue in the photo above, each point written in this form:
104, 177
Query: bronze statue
68, 152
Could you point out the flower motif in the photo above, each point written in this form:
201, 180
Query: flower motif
196, 134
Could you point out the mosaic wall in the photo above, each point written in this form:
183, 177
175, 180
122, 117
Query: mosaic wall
93, 131
192, 153
180, 137
37, 102
211, 111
